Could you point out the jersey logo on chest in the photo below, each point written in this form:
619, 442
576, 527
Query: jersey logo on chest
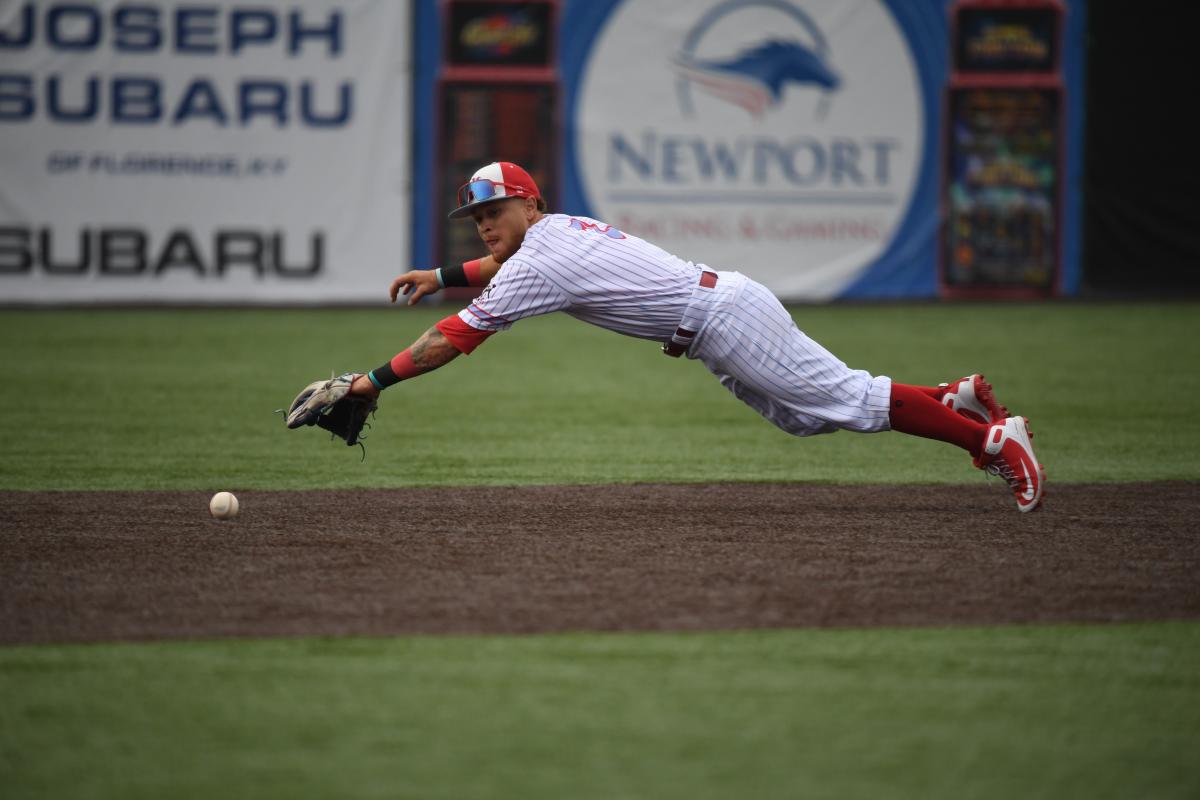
596, 227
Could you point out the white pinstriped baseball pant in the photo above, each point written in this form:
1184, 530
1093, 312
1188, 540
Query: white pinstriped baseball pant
749, 341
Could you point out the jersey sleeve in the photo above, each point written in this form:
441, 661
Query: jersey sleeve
518, 291
461, 335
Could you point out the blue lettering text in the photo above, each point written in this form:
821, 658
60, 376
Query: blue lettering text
803, 161
62, 34
202, 30
144, 100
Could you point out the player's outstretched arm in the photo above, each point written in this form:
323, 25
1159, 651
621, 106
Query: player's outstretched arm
433, 350
429, 352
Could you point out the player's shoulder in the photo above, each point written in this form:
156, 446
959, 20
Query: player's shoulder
578, 225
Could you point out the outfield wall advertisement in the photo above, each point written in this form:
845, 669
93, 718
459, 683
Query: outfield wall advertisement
756, 136
215, 152
798, 141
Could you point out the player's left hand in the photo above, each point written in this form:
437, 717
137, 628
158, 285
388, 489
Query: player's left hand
330, 404
362, 385
416, 284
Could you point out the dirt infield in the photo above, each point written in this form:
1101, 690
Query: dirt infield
79, 566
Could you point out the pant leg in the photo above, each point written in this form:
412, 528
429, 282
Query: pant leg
759, 354
778, 414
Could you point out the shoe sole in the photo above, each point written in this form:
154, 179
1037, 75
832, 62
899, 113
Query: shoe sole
1041, 495
985, 395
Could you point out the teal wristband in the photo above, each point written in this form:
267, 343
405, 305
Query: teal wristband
375, 380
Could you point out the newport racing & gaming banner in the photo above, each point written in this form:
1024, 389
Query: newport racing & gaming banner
798, 141
203, 152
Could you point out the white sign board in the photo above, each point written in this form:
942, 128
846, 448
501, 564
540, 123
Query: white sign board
222, 152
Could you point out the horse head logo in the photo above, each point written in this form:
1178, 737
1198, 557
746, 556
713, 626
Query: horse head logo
757, 77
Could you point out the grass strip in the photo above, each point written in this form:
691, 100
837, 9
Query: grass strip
1021, 711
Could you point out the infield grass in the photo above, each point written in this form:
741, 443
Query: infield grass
183, 399
1021, 711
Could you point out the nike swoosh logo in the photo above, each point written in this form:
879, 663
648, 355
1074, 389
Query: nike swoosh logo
1028, 493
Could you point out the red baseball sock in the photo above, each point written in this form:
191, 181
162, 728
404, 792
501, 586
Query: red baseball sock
915, 412
936, 392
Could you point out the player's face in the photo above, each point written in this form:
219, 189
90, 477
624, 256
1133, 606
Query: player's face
502, 225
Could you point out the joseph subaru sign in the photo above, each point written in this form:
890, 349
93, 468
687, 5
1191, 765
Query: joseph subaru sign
224, 152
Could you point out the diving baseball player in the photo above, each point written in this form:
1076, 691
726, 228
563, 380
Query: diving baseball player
733, 325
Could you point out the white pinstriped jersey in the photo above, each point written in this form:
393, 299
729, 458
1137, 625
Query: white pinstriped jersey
592, 272
747, 338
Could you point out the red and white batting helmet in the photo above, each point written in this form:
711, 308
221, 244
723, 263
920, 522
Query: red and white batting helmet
496, 181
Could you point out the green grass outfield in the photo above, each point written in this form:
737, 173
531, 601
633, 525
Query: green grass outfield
183, 400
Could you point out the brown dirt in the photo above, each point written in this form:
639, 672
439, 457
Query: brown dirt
89, 566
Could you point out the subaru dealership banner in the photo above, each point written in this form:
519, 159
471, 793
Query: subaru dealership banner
221, 152
799, 141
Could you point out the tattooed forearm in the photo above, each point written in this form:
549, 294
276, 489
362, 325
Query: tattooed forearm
433, 350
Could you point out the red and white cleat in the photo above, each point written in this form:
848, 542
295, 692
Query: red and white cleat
972, 397
1008, 452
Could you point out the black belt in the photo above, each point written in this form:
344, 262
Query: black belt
683, 336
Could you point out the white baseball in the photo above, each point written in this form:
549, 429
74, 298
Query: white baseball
223, 505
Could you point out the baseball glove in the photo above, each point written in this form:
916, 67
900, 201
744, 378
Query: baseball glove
329, 405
